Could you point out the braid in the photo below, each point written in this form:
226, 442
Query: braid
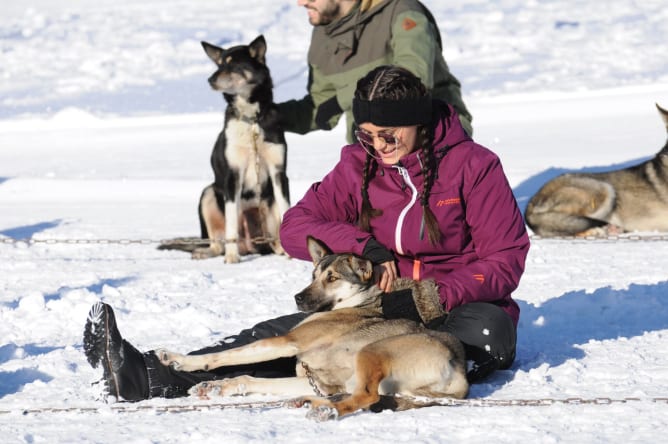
428, 171
367, 211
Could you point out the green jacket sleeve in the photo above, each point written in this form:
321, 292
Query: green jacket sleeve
414, 45
317, 110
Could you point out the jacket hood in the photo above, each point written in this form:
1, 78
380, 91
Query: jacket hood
366, 5
360, 13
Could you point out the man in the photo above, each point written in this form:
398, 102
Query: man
350, 38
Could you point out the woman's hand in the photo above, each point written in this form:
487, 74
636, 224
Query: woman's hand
383, 263
387, 274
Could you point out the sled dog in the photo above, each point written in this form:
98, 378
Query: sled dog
241, 211
346, 346
630, 199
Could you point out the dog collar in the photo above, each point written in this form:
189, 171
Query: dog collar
244, 118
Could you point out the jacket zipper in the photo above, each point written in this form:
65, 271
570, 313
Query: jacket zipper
400, 222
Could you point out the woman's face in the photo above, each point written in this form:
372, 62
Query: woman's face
387, 144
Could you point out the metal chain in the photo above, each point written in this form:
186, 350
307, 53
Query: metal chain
610, 237
51, 241
267, 239
134, 408
541, 402
474, 402
311, 380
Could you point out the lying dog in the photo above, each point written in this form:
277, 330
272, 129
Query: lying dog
347, 347
241, 211
631, 199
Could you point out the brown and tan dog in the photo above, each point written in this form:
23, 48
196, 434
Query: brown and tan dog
630, 199
347, 347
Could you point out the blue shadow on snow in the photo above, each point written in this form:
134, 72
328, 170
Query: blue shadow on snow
28, 231
93, 288
58, 294
12, 382
553, 332
8, 351
555, 328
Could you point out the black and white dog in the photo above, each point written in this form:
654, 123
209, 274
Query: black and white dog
241, 211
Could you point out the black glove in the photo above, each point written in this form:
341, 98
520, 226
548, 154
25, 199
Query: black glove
417, 301
376, 253
437, 323
400, 305
327, 109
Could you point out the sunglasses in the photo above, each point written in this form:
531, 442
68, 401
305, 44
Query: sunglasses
366, 139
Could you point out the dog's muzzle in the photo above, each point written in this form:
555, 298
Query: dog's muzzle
305, 303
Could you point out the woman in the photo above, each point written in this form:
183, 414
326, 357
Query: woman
419, 199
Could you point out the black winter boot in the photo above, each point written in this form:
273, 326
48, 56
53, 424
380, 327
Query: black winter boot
481, 364
124, 369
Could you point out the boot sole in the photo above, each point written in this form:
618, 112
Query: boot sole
97, 345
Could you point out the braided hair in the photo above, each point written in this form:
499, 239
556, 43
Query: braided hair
395, 83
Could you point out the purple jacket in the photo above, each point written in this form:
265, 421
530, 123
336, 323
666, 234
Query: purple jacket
484, 243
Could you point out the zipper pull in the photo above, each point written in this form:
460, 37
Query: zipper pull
404, 174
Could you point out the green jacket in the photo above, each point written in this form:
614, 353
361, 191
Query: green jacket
391, 32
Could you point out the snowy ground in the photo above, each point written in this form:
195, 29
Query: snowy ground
106, 126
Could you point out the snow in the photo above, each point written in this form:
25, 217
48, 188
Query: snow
106, 127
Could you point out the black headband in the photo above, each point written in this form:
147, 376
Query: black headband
403, 112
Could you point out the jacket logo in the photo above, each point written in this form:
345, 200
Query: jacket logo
408, 24
451, 201
479, 277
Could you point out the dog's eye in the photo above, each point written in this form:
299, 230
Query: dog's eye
332, 278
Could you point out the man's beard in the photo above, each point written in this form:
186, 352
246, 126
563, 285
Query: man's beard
330, 12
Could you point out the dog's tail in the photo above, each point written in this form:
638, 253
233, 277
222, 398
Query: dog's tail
188, 244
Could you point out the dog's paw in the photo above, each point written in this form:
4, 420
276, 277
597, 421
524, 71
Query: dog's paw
323, 413
277, 248
232, 253
297, 403
223, 387
168, 358
204, 389
204, 253
604, 231
239, 386
232, 259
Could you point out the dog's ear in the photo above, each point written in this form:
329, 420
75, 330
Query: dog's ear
316, 249
258, 49
362, 267
215, 53
664, 115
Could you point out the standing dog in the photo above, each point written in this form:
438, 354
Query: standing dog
241, 211
347, 346
631, 199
